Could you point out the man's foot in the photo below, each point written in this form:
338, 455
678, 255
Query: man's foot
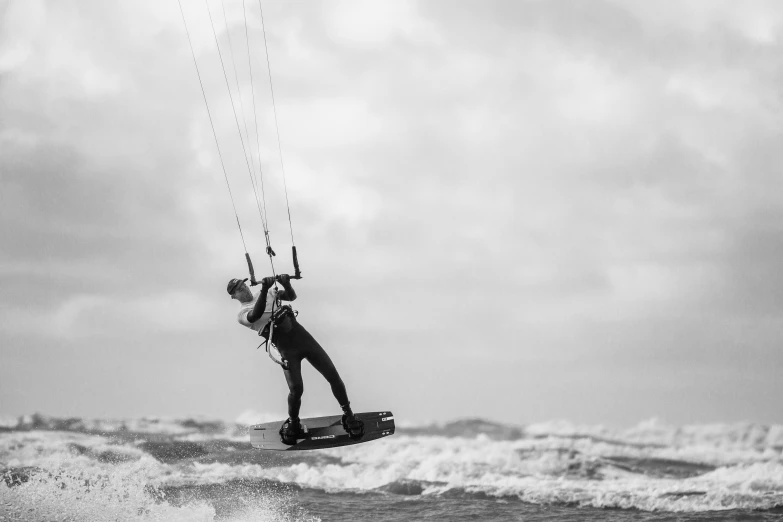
290, 431
353, 426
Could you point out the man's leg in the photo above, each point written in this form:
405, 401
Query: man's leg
308, 347
313, 352
293, 376
321, 362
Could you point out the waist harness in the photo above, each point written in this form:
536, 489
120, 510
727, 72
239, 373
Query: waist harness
282, 320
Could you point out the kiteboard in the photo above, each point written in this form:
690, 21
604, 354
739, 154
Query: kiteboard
322, 432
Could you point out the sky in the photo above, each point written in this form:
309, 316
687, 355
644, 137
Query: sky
515, 210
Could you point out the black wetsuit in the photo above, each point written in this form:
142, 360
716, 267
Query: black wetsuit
295, 345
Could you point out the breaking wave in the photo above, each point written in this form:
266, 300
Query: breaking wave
197, 469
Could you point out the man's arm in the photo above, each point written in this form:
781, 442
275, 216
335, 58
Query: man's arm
288, 293
260, 306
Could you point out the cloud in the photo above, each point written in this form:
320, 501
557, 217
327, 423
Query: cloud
527, 177
758, 22
86, 316
369, 22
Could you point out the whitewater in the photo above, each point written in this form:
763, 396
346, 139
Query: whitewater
74, 469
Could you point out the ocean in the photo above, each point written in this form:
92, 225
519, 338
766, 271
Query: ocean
151, 469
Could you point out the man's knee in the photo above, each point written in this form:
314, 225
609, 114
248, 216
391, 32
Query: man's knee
296, 389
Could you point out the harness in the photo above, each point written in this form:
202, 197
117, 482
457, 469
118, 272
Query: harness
282, 318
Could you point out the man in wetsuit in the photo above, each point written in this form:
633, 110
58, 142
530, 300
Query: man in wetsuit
295, 344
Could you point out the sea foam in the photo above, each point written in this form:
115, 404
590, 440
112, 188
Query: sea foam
650, 466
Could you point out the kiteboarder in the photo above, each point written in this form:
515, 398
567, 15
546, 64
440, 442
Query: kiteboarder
257, 311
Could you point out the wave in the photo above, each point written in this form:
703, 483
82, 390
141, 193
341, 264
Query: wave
468, 428
650, 466
652, 432
144, 425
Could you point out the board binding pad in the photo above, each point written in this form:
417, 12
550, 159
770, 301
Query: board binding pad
322, 432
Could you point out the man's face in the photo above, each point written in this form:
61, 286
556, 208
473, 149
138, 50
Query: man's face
242, 293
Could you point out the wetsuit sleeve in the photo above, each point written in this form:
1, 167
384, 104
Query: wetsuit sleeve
258, 310
288, 293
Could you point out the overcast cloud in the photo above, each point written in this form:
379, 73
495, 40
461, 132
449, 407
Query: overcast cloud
518, 210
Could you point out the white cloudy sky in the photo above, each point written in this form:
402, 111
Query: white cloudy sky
522, 210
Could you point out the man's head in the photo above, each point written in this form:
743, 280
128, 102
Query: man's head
238, 290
